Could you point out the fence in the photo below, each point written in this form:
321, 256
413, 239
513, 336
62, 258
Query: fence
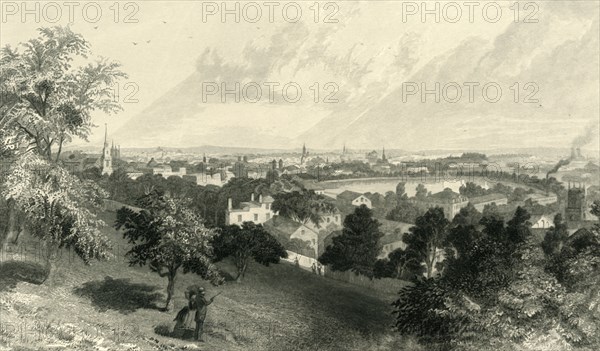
386, 285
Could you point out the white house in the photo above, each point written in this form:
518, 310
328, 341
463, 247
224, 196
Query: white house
252, 211
354, 199
544, 221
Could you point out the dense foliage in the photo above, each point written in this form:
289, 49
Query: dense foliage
168, 236
46, 102
245, 242
501, 289
358, 246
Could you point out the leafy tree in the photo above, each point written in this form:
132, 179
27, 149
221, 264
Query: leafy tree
59, 218
471, 189
401, 191
303, 206
48, 101
421, 192
518, 228
245, 242
464, 229
404, 212
400, 264
45, 103
555, 237
358, 246
167, 236
427, 237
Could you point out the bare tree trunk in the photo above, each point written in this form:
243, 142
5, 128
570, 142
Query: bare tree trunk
170, 291
241, 271
49, 253
11, 227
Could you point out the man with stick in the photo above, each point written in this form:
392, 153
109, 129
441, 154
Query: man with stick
201, 309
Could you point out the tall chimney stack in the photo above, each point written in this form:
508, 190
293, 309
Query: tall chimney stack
229, 204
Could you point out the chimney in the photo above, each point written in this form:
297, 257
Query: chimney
260, 198
229, 204
252, 197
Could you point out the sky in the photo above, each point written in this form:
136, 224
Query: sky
370, 52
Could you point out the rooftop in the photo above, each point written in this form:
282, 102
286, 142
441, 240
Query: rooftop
486, 198
348, 195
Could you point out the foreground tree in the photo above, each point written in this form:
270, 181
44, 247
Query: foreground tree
358, 246
245, 242
428, 237
555, 237
45, 102
57, 208
168, 237
400, 264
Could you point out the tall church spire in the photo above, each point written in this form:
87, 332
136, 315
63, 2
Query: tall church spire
106, 158
105, 135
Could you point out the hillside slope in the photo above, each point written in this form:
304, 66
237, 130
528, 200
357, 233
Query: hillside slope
110, 306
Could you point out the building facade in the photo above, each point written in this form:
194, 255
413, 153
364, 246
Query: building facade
257, 212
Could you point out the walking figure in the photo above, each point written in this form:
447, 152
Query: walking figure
314, 268
319, 267
198, 303
297, 262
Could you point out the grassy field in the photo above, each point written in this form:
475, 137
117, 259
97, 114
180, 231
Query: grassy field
111, 306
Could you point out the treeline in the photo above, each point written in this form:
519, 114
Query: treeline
499, 287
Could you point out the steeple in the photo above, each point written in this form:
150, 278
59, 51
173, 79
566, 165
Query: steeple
105, 135
106, 158
383, 155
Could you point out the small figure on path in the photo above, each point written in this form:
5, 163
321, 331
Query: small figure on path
319, 267
201, 309
185, 319
297, 262
314, 268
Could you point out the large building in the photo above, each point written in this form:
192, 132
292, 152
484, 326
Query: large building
480, 202
447, 199
257, 212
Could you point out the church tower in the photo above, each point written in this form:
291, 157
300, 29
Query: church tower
106, 158
383, 158
575, 210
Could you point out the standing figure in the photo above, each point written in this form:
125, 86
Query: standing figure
201, 309
297, 262
185, 318
314, 268
319, 267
